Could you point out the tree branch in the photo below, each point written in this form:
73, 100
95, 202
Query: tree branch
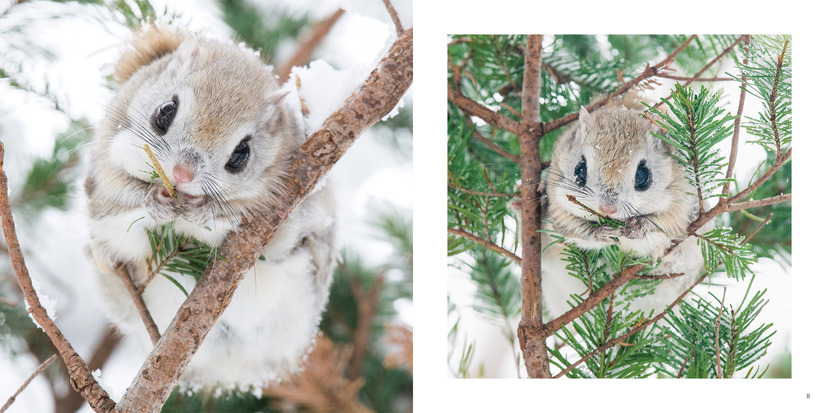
490, 117
140, 305
487, 244
647, 73
81, 378
25, 384
207, 301
309, 42
394, 16
759, 202
735, 137
533, 347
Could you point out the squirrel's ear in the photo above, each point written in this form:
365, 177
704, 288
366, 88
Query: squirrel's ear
586, 121
147, 46
183, 57
277, 111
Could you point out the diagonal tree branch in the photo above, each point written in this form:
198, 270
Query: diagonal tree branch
207, 301
80, 375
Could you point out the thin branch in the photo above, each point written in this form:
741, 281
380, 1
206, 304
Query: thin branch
489, 142
394, 16
25, 384
489, 245
685, 78
647, 73
140, 305
735, 138
472, 192
81, 376
717, 335
207, 301
715, 60
490, 117
367, 304
309, 43
759, 202
632, 331
724, 203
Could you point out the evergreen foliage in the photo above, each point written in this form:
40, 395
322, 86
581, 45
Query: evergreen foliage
695, 124
484, 175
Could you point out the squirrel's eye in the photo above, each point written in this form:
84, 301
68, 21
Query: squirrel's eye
239, 157
581, 172
643, 178
164, 115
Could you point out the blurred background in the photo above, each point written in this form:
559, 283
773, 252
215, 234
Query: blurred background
56, 58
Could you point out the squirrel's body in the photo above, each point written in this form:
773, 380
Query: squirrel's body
611, 163
222, 130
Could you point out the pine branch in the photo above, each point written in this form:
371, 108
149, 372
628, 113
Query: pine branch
376, 97
82, 379
140, 305
533, 350
489, 245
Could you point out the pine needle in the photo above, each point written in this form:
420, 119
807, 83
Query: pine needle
157, 165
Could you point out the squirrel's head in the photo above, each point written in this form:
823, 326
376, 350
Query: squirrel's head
212, 113
612, 163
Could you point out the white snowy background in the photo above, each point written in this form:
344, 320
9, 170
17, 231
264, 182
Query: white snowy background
371, 175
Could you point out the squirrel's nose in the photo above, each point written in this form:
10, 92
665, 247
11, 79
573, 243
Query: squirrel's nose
607, 209
182, 173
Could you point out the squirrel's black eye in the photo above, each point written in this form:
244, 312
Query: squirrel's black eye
239, 156
164, 115
581, 172
643, 178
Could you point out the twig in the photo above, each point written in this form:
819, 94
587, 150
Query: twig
367, 304
207, 301
489, 142
472, 192
759, 202
490, 117
647, 73
487, 244
685, 78
533, 348
140, 305
735, 137
310, 41
717, 335
394, 16
632, 331
81, 377
25, 384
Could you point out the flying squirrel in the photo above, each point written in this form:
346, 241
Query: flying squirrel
610, 163
222, 128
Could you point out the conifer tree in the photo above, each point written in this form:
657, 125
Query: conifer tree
503, 118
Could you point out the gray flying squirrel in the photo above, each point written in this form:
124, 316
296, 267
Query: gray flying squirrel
222, 129
612, 164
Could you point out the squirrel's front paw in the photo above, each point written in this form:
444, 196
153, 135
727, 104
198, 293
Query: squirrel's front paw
607, 234
633, 228
160, 206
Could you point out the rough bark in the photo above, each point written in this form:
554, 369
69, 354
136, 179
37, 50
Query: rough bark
530, 340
